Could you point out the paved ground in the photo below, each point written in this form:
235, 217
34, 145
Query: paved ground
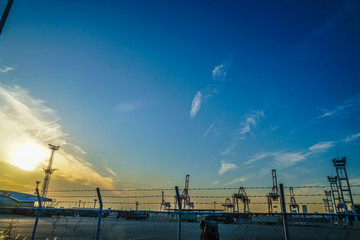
19, 227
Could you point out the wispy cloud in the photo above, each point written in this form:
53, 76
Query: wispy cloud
196, 104
236, 180
6, 69
225, 167
344, 107
220, 71
255, 158
351, 138
27, 120
209, 129
288, 159
229, 149
322, 146
214, 183
244, 128
126, 107
218, 74
248, 123
111, 171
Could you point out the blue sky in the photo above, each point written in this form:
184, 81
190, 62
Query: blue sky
141, 93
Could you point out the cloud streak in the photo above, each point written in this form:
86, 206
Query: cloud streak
244, 128
344, 107
288, 159
248, 123
6, 69
196, 104
220, 71
218, 75
255, 158
322, 146
226, 167
125, 107
27, 120
208, 130
236, 180
351, 138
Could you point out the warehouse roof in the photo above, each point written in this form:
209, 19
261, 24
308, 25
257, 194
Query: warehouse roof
22, 197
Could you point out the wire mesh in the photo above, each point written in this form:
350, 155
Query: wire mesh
74, 214
16, 226
18, 223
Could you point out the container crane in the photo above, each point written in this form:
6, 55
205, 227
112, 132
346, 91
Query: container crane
274, 195
241, 196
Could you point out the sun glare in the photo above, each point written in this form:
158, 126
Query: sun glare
28, 156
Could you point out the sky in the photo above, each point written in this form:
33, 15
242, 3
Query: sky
141, 93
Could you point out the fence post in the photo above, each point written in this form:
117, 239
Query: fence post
100, 214
283, 208
37, 214
180, 210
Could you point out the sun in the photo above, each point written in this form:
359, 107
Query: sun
28, 156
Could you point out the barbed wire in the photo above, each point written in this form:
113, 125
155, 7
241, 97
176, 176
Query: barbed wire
172, 189
159, 203
196, 196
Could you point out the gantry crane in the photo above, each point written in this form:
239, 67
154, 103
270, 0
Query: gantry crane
293, 204
228, 205
48, 171
335, 194
242, 196
185, 197
164, 205
274, 194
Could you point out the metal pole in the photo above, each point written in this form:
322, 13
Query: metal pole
180, 209
286, 229
5, 14
100, 214
37, 214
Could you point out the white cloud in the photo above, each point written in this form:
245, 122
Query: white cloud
255, 158
218, 74
111, 171
209, 129
290, 159
244, 128
343, 108
6, 69
229, 149
196, 104
215, 183
322, 146
225, 167
248, 123
28, 120
126, 107
220, 71
287, 159
236, 180
351, 138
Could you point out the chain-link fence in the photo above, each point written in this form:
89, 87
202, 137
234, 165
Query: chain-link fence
19, 223
91, 214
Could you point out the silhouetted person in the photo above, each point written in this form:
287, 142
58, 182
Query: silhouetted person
208, 230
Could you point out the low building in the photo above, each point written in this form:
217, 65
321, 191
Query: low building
17, 199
